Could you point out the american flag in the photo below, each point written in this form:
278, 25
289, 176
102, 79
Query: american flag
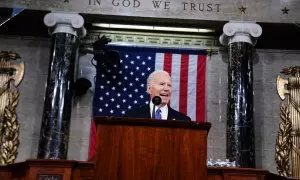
122, 89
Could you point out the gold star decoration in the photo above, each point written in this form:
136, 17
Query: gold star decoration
285, 10
242, 9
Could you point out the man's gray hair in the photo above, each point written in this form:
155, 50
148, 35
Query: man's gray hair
151, 76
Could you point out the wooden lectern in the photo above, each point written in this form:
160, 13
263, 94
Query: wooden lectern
147, 149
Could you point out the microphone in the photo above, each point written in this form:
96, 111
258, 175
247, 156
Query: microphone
156, 100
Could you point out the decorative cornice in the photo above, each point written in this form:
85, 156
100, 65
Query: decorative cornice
154, 39
65, 23
240, 32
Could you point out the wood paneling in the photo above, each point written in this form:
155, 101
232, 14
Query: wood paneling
222, 173
40, 169
146, 149
139, 149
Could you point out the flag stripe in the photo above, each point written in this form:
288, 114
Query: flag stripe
175, 76
168, 63
183, 83
92, 143
159, 61
192, 93
200, 110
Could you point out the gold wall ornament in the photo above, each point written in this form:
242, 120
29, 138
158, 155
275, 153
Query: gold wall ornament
288, 140
11, 75
283, 143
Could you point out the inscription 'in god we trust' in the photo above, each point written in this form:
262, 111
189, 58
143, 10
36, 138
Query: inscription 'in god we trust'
166, 5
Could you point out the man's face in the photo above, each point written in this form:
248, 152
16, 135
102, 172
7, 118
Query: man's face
161, 86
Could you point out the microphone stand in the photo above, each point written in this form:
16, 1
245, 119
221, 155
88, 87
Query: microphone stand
156, 100
153, 112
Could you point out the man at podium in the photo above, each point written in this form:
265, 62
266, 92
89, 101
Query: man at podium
159, 87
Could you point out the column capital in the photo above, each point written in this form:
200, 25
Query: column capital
240, 31
71, 23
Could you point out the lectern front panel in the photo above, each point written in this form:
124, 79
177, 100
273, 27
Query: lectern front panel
129, 152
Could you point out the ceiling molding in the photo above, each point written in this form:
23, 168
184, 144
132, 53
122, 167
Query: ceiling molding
155, 39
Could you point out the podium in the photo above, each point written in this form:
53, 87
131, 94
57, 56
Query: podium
148, 149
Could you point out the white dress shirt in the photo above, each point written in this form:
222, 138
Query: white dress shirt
163, 110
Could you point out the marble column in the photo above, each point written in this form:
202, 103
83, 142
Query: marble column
240, 37
66, 30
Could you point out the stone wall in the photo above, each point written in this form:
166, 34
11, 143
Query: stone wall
267, 65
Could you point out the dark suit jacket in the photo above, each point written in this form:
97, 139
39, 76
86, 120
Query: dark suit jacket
144, 112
